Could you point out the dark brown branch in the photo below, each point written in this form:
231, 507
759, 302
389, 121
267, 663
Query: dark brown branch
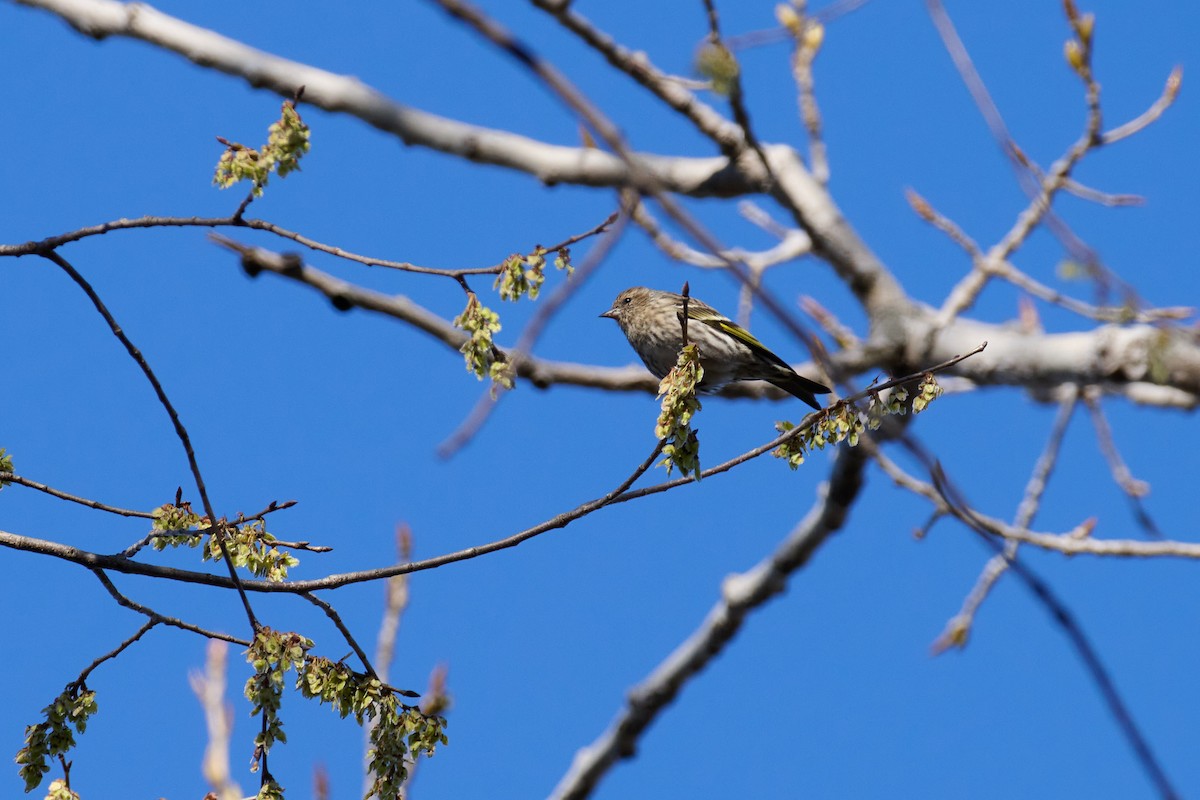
146, 626
161, 619
180, 430
8, 477
341, 626
621, 494
1065, 619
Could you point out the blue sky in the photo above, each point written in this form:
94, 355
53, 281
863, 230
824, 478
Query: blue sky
830, 690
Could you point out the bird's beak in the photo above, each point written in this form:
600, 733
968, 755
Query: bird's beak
611, 314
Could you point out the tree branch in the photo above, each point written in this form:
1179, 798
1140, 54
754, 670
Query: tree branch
740, 596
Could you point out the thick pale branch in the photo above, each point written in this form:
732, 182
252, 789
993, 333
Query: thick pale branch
1148, 364
342, 93
539, 372
808, 201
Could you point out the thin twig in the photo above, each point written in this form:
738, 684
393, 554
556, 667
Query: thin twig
621, 494
638, 67
270, 509
8, 477
1134, 488
180, 431
331, 612
794, 244
1143, 120
162, 619
1117, 314
737, 97
974, 83
52, 242
959, 626
1075, 635
146, 626
944, 224
1121, 474
807, 34
829, 322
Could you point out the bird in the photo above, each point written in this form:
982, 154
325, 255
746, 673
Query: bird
650, 320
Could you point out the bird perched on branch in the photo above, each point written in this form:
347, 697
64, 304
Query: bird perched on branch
651, 321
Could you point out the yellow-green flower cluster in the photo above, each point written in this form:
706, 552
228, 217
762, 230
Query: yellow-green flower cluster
480, 353
717, 63
928, 390
250, 546
837, 424
679, 405
844, 423
287, 141
58, 790
54, 738
400, 734
521, 276
6, 465
272, 654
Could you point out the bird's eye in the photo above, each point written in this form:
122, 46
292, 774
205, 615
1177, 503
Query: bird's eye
626, 301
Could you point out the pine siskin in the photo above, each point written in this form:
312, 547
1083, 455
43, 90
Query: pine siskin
728, 352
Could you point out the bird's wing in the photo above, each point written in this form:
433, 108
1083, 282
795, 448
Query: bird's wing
702, 312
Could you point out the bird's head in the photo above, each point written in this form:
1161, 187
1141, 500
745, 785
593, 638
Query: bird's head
627, 303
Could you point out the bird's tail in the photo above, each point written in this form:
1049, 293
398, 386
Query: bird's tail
799, 386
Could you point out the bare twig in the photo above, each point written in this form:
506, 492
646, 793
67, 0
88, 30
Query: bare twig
52, 242
146, 626
839, 332
331, 612
974, 83
807, 33
1077, 541
180, 430
794, 244
157, 618
737, 93
944, 224
1120, 470
1075, 635
1134, 488
1119, 314
959, 626
8, 477
638, 67
271, 508
1147, 117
